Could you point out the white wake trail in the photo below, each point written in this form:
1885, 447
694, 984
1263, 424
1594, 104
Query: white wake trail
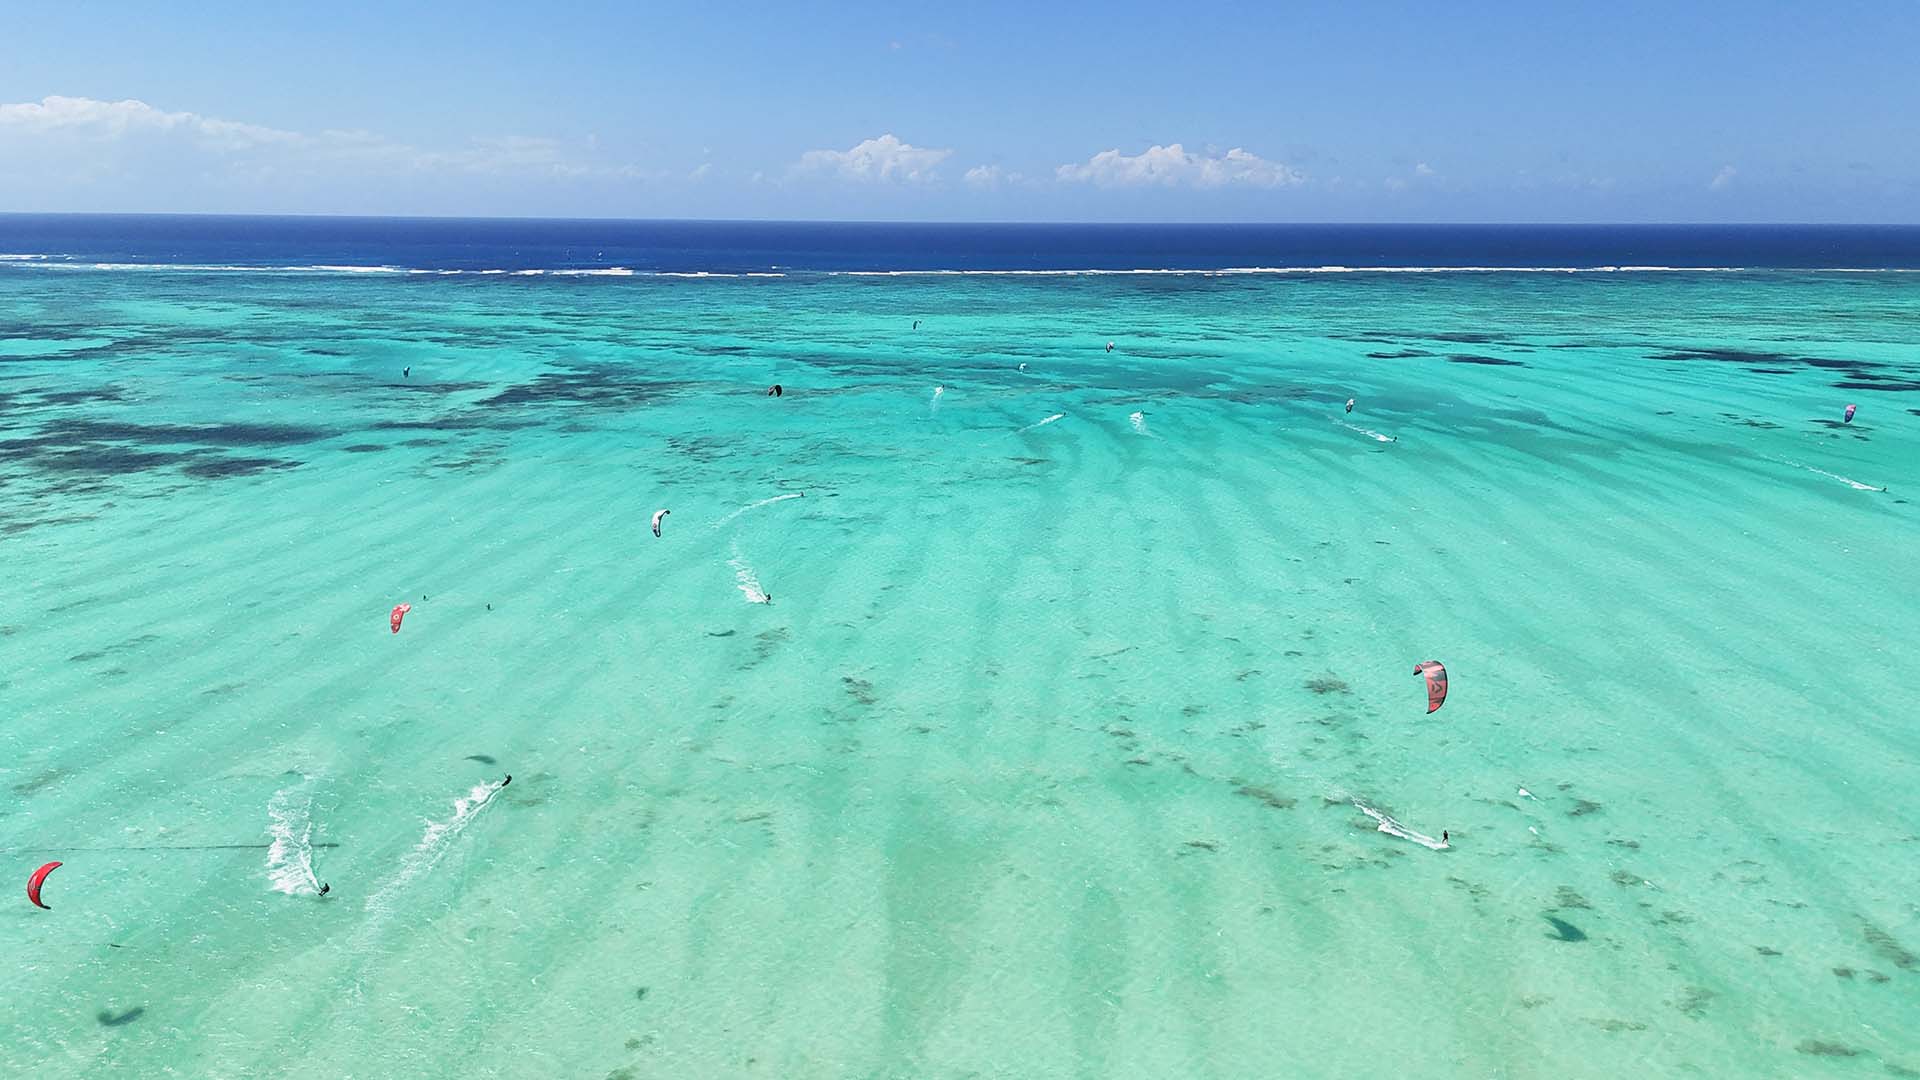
1374, 435
1393, 828
758, 505
290, 856
434, 843
745, 580
1854, 484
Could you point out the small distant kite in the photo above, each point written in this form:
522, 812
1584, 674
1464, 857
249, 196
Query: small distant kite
399, 613
657, 515
1436, 674
775, 390
39, 878
1849, 418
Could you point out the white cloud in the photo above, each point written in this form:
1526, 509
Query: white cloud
884, 159
1423, 169
1174, 166
75, 123
87, 118
1722, 178
990, 176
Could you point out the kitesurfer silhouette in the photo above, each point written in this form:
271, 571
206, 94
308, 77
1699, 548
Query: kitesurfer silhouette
325, 888
1443, 836
406, 373
507, 781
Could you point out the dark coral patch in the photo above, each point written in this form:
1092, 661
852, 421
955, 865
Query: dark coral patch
221, 468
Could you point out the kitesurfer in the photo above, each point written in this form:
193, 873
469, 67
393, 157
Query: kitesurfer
1109, 346
507, 781
325, 888
406, 373
916, 324
1443, 836
1349, 404
1849, 418
776, 390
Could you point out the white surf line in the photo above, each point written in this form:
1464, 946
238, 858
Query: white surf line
290, 824
1854, 484
434, 843
758, 505
1374, 435
744, 579
1393, 828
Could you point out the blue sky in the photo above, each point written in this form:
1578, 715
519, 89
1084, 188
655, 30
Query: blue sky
1034, 111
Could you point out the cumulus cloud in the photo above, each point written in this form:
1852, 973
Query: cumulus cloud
1423, 169
133, 126
990, 176
1174, 166
882, 160
1722, 178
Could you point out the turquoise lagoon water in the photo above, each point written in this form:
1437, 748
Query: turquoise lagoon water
1047, 758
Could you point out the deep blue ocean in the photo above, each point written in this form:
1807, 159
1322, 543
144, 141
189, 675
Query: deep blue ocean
750, 247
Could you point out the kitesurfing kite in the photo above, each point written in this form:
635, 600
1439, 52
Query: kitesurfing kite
39, 878
399, 612
657, 515
1436, 674
1849, 418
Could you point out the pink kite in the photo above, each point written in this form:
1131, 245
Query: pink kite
1436, 674
1849, 418
399, 612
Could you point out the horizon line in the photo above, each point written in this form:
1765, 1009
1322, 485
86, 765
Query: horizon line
332, 215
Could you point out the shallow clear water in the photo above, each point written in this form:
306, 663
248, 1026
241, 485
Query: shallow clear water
1048, 755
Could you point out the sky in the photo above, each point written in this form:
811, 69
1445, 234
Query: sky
1123, 111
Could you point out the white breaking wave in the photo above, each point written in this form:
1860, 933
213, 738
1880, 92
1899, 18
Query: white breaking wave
1232, 271
1393, 828
1042, 423
1854, 484
744, 579
434, 843
758, 505
48, 262
1374, 435
290, 824
51, 261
